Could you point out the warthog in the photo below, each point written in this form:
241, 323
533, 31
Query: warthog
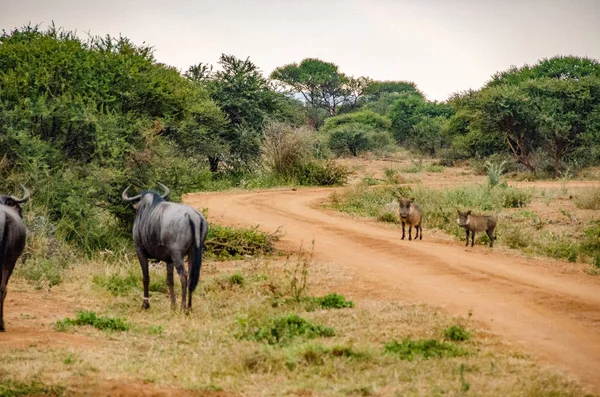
167, 232
412, 214
12, 241
477, 223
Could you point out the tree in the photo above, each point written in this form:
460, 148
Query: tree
247, 99
365, 117
567, 113
408, 110
559, 67
321, 84
427, 135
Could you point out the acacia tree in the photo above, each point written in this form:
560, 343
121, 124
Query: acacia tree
321, 84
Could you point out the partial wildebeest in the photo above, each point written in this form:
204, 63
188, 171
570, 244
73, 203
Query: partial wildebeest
477, 223
167, 232
412, 214
12, 241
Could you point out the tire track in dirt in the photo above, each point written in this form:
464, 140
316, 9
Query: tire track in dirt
533, 302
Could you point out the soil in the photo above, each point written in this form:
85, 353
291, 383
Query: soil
545, 307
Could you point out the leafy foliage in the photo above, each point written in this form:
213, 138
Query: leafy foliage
282, 330
90, 318
409, 349
334, 301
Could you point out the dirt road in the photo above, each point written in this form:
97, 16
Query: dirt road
550, 311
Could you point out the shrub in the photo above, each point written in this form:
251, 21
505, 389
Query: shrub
588, 199
282, 330
425, 348
90, 318
285, 148
318, 173
225, 242
334, 301
352, 139
456, 333
366, 118
494, 172
12, 388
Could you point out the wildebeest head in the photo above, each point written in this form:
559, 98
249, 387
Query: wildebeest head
146, 197
13, 202
463, 218
405, 207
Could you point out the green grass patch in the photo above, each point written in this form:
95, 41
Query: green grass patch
457, 333
122, 284
333, 301
11, 388
283, 330
435, 168
90, 318
424, 348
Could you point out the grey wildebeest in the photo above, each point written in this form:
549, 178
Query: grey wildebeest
167, 232
477, 223
412, 214
12, 241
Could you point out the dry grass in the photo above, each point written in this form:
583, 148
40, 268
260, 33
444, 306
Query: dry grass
203, 351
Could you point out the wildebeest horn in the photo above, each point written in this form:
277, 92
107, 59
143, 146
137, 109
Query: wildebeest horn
166, 189
25, 196
128, 199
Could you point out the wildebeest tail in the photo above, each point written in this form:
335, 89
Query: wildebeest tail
197, 234
3, 237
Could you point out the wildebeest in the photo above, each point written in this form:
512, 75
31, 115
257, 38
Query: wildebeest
476, 223
412, 214
12, 241
167, 232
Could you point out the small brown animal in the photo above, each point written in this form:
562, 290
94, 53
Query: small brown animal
476, 223
412, 214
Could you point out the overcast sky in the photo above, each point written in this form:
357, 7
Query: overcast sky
442, 45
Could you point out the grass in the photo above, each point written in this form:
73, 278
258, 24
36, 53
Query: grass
11, 388
334, 301
90, 318
457, 333
205, 350
424, 348
563, 236
588, 199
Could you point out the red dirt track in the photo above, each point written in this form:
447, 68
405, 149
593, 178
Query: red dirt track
546, 307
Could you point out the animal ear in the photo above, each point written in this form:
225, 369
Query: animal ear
468, 212
458, 211
412, 200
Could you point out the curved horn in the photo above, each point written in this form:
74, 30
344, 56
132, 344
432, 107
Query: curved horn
25, 196
129, 199
166, 189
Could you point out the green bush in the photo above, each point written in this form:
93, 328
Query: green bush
90, 318
366, 118
333, 301
318, 173
425, 348
283, 330
12, 388
457, 333
225, 242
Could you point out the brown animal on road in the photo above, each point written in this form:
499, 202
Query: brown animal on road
412, 214
476, 223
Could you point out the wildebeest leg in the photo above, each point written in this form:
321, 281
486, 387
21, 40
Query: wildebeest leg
180, 267
467, 244
410, 232
170, 268
190, 256
491, 236
4, 276
145, 277
472, 238
402, 229
2, 295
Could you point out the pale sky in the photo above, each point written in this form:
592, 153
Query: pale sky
442, 45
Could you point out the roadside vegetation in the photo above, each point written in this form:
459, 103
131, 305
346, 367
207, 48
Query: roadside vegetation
81, 119
251, 332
